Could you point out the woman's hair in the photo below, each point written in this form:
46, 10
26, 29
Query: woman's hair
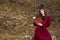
40, 15
41, 7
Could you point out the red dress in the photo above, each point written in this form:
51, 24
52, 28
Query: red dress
42, 33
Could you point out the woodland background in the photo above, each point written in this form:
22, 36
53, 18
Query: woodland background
16, 18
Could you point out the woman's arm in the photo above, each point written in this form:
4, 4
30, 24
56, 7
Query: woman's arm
46, 23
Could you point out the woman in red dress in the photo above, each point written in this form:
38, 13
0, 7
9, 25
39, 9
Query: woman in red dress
42, 22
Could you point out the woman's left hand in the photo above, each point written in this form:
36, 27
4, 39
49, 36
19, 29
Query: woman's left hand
40, 24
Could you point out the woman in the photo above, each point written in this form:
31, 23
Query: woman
42, 22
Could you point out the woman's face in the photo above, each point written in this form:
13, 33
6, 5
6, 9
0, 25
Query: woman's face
42, 11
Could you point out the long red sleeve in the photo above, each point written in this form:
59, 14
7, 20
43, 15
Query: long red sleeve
46, 23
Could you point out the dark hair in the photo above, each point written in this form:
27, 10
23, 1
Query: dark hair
41, 6
43, 17
40, 15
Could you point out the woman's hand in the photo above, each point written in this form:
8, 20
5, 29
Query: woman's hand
40, 24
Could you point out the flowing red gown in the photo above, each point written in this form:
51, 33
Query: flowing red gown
43, 33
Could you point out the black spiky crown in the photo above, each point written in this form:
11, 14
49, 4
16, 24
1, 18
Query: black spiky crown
41, 6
